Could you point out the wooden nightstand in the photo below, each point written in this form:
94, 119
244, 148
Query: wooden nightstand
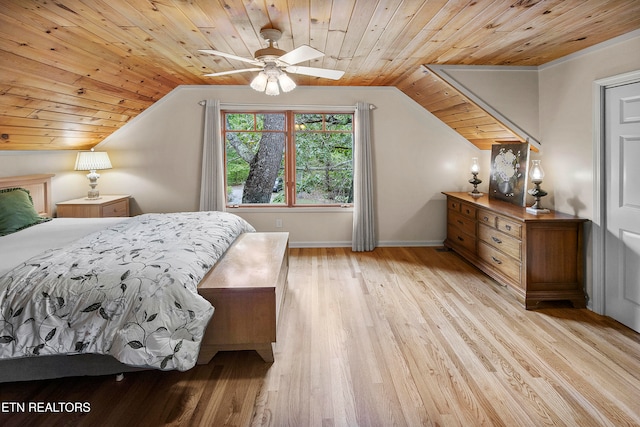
105, 206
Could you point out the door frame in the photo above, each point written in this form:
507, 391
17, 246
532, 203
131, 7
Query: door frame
599, 224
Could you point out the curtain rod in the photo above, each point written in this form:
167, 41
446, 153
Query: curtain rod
288, 107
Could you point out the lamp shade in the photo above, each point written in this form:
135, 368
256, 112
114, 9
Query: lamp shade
537, 173
475, 167
92, 160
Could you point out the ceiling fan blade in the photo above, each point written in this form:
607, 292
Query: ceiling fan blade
316, 72
224, 73
300, 54
230, 56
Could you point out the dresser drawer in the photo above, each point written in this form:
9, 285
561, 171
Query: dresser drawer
504, 263
453, 205
501, 241
468, 210
466, 224
509, 227
487, 217
460, 239
120, 208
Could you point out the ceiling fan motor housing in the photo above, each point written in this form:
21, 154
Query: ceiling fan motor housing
270, 54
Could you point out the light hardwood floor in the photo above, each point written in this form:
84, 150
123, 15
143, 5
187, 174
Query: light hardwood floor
399, 336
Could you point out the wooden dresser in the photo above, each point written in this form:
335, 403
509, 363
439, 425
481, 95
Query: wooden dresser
539, 257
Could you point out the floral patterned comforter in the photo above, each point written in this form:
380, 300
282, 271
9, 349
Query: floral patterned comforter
129, 291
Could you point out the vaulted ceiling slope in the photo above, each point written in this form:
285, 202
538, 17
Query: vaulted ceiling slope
74, 71
457, 110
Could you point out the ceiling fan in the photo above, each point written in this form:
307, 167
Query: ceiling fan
274, 64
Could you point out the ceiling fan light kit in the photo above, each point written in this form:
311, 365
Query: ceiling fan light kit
259, 83
286, 83
272, 88
271, 80
274, 62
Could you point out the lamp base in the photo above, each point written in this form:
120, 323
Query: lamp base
537, 211
93, 194
475, 181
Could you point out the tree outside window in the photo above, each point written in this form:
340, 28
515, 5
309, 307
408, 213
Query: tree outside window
288, 158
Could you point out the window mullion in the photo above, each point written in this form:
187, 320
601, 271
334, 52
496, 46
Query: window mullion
290, 152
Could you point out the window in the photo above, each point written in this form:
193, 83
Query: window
288, 158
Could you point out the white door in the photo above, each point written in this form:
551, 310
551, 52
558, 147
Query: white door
622, 176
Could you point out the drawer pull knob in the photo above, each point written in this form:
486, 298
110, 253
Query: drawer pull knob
461, 239
486, 219
496, 260
508, 227
495, 239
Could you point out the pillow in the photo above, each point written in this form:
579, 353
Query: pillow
17, 211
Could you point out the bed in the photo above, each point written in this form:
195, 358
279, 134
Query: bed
108, 295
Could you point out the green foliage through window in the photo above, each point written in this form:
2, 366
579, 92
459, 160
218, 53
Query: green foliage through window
288, 158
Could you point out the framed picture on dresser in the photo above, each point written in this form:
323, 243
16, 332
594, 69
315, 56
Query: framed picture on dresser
509, 167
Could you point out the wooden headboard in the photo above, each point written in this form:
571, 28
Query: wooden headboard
38, 185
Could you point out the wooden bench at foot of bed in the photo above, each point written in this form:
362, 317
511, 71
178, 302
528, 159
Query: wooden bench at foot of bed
247, 288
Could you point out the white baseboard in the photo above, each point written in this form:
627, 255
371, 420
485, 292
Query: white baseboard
343, 244
384, 243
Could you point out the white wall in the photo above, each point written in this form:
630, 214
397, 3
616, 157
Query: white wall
566, 120
67, 184
156, 158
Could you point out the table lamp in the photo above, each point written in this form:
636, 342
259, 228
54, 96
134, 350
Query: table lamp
92, 161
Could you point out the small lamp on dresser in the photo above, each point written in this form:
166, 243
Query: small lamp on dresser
475, 169
537, 174
92, 161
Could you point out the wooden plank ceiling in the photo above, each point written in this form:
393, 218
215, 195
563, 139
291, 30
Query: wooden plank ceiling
74, 71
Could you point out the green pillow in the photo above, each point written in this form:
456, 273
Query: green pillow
17, 211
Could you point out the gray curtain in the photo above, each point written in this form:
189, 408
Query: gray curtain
212, 191
364, 234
